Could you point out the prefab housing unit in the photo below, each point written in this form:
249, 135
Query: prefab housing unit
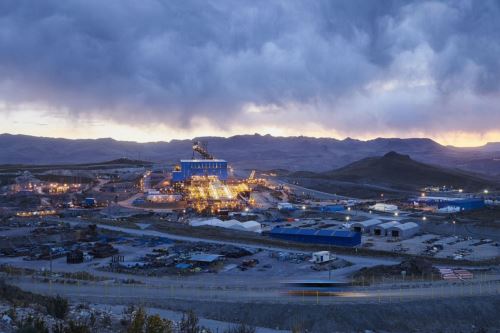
382, 229
403, 231
365, 226
322, 257
330, 237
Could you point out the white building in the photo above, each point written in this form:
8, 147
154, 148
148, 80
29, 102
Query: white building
382, 207
322, 257
285, 206
365, 226
382, 229
404, 231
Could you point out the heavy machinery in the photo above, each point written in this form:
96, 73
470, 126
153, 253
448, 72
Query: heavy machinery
201, 148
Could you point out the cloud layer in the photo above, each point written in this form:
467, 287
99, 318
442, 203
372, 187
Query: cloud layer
352, 67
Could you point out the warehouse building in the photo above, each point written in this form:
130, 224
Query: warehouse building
330, 237
365, 226
459, 204
383, 229
404, 231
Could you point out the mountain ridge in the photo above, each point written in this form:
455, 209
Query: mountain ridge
245, 151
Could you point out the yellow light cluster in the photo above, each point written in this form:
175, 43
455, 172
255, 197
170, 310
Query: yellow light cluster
36, 213
209, 192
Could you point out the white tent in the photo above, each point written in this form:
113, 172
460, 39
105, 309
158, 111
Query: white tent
252, 226
382, 207
211, 222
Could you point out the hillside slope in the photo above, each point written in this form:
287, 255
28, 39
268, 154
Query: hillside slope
400, 171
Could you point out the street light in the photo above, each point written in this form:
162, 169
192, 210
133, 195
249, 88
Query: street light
486, 191
347, 218
396, 214
424, 218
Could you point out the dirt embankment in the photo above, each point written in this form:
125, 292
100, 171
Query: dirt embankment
474, 314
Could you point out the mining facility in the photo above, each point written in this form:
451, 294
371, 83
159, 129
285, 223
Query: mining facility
205, 185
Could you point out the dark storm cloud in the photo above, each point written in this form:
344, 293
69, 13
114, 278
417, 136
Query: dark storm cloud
349, 65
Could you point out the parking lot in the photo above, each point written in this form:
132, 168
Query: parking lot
439, 246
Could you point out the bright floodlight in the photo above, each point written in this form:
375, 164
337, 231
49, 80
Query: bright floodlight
303, 207
485, 191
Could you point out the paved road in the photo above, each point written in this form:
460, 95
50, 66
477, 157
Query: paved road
304, 190
105, 292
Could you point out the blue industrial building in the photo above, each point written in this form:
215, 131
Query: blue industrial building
189, 168
332, 208
464, 204
329, 237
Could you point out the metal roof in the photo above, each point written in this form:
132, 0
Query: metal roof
368, 223
313, 232
406, 226
388, 225
197, 161
203, 257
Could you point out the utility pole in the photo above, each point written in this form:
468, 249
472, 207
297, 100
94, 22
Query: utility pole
50, 257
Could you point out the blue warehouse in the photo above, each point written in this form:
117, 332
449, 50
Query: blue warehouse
330, 237
464, 204
189, 168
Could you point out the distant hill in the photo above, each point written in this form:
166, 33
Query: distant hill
118, 163
400, 172
245, 152
491, 146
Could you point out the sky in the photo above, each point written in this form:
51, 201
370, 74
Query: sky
156, 70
